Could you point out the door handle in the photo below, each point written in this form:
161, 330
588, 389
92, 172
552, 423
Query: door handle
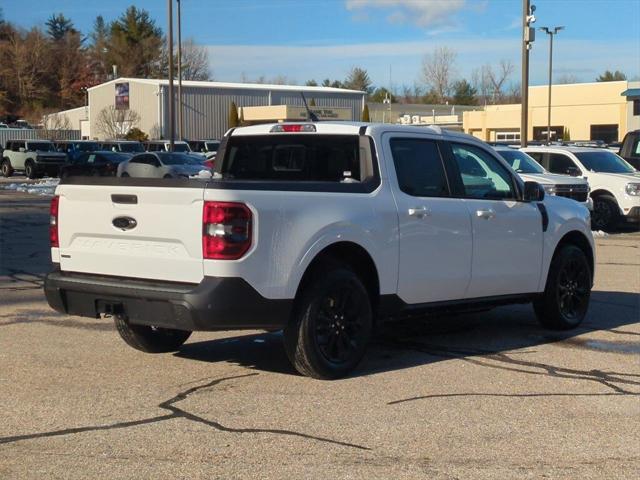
419, 212
486, 214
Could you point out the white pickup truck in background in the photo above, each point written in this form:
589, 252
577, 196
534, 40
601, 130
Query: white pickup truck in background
320, 229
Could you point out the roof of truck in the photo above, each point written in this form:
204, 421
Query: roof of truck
354, 128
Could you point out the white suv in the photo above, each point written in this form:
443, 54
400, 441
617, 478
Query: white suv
528, 170
615, 184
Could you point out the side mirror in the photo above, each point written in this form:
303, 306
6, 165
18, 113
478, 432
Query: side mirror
533, 192
573, 171
22, 149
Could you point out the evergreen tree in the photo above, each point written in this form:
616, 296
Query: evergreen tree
609, 76
464, 93
358, 79
365, 113
233, 115
58, 26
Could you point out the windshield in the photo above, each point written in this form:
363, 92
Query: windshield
131, 147
520, 161
41, 146
604, 161
180, 147
213, 146
178, 159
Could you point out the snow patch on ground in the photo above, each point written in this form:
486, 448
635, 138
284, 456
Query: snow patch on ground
44, 187
599, 233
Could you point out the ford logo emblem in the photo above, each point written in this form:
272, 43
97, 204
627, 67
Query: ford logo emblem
124, 223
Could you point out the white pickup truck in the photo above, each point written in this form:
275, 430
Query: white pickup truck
320, 229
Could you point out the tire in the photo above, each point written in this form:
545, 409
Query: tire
6, 168
150, 339
124, 175
168, 176
565, 300
30, 170
605, 214
331, 325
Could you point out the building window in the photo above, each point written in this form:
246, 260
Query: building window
636, 107
507, 136
606, 133
540, 133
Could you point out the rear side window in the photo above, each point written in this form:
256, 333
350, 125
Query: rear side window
559, 163
309, 158
419, 168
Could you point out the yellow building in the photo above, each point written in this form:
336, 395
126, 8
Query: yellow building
580, 111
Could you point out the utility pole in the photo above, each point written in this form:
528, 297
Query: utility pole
551, 32
528, 37
180, 121
172, 126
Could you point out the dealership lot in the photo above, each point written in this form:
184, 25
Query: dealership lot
488, 395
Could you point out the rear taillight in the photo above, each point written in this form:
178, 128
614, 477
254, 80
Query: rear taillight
293, 127
53, 222
226, 230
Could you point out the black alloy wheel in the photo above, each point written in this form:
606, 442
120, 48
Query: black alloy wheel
331, 325
565, 300
573, 289
339, 326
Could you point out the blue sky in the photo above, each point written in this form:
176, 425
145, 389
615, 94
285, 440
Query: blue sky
304, 39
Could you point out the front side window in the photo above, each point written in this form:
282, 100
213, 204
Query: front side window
559, 163
483, 177
419, 167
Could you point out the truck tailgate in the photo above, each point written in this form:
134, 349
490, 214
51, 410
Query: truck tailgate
132, 231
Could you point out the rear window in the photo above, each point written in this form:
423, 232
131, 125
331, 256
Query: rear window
308, 158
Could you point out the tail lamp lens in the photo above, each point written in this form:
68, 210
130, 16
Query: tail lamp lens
53, 222
226, 230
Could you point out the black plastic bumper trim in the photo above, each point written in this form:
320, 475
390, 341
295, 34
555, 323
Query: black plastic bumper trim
213, 304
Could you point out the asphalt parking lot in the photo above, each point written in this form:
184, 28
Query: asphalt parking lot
489, 395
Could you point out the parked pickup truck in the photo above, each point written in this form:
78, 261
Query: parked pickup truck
322, 230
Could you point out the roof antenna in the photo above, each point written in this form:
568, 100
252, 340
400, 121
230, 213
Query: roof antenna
312, 116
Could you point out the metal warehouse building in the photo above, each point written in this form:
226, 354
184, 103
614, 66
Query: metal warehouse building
205, 104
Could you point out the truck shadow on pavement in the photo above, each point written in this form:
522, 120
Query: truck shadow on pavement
488, 338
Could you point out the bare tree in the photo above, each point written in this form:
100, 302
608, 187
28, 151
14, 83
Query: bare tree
438, 70
116, 123
195, 61
498, 77
54, 126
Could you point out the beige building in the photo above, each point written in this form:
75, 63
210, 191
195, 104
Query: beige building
581, 111
285, 113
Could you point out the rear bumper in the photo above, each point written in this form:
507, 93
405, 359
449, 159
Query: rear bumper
213, 304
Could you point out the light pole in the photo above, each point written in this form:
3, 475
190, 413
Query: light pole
528, 37
180, 121
551, 32
172, 125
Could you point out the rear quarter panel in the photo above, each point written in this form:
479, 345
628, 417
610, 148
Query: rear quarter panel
291, 228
